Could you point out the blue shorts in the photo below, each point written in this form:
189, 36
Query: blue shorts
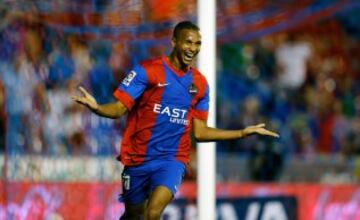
139, 181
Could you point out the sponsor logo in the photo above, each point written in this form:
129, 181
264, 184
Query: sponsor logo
163, 84
269, 210
176, 115
239, 209
130, 76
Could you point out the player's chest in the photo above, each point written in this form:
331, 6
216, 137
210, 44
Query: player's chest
177, 89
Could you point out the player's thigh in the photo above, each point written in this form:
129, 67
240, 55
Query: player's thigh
164, 184
160, 197
134, 212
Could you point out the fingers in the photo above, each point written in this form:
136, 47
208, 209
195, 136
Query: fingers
78, 99
83, 91
260, 125
75, 98
270, 133
86, 99
260, 129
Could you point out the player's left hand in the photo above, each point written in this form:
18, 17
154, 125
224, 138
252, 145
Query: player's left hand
259, 129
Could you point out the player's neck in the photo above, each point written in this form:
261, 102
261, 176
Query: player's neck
174, 61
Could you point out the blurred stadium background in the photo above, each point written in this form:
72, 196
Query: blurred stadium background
293, 64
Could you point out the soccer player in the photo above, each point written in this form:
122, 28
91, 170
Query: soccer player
166, 99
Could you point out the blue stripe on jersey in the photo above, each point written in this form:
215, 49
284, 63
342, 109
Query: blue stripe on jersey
172, 115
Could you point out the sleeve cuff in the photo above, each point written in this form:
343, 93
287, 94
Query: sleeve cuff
202, 115
124, 98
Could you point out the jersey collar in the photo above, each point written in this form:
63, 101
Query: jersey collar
176, 71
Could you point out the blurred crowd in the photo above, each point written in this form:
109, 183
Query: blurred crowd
40, 69
304, 83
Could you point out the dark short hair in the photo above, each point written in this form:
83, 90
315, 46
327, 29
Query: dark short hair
184, 25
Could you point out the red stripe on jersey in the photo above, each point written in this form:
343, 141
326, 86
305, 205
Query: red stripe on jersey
199, 81
124, 98
142, 117
202, 115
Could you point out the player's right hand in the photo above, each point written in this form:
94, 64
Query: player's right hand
87, 99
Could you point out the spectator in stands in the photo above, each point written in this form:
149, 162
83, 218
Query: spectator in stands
80, 55
61, 64
101, 76
17, 85
2, 118
292, 58
34, 68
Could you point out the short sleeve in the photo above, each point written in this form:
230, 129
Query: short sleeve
132, 86
201, 109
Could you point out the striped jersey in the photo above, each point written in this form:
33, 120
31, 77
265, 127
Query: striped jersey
161, 103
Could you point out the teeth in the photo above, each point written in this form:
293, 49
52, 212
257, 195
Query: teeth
189, 56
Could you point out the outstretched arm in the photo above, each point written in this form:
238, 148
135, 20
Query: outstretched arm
109, 110
204, 133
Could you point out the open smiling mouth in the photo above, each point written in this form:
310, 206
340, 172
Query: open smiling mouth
189, 57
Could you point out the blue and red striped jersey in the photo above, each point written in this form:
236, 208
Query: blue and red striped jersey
161, 102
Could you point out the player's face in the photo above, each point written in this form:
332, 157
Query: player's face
186, 46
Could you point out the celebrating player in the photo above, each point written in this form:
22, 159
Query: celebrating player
166, 99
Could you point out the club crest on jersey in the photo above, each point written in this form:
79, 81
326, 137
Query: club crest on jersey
193, 90
130, 76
